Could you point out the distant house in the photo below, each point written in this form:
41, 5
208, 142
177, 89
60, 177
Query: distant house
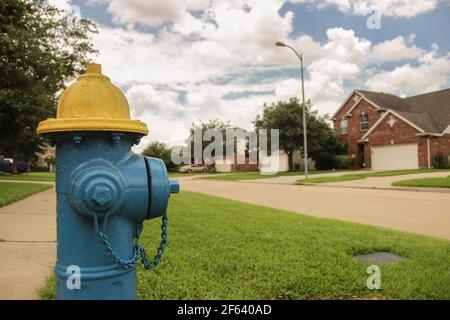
44, 158
278, 161
228, 165
386, 132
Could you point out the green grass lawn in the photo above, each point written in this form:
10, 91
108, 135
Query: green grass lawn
426, 182
10, 191
258, 175
403, 172
223, 249
363, 175
32, 176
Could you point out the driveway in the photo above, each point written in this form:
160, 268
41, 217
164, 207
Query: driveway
27, 245
424, 213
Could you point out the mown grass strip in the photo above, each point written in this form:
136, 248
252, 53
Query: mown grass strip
425, 183
31, 176
11, 191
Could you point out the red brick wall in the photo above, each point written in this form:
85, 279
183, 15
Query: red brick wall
342, 113
399, 133
244, 164
244, 167
440, 145
354, 131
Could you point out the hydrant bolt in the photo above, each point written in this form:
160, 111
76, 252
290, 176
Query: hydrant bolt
101, 196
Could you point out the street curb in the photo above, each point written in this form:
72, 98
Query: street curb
416, 189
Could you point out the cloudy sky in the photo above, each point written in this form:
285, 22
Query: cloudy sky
183, 61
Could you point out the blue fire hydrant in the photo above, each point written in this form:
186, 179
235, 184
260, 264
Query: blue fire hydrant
104, 191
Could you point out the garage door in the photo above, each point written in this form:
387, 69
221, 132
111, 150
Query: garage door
400, 156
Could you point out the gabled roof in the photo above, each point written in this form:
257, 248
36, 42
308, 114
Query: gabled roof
384, 100
435, 104
430, 111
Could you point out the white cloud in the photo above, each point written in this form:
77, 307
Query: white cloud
345, 46
396, 49
230, 36
146, 98
342, 58
150, 12
388, 8
132, 57
394, 8
432, 74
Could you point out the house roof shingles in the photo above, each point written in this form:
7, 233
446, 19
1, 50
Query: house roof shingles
429, 111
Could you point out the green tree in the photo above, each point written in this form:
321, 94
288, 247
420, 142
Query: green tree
159, 150
41, 50
287, 116
203, 126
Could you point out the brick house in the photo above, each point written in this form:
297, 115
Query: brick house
386, 132
43, 157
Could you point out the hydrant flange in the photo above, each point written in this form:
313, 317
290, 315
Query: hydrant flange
97, 186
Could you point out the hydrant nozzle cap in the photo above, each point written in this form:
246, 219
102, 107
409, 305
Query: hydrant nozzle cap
92, 103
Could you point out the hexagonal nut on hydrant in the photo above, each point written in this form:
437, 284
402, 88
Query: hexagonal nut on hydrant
101, 196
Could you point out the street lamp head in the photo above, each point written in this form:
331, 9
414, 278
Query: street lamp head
280, 44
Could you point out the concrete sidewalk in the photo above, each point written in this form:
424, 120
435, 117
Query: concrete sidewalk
27, 245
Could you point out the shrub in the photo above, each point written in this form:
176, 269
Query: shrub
342, 162
441, 162
328, 161
324, 160
40, 169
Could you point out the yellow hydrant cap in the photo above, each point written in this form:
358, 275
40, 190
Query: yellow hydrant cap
92, 103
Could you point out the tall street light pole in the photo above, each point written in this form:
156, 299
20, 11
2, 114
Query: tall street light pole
305, 138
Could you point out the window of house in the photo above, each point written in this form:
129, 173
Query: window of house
364, 122
343, 126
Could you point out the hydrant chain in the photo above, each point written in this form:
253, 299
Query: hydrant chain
162, 246
125, 264
138, 249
